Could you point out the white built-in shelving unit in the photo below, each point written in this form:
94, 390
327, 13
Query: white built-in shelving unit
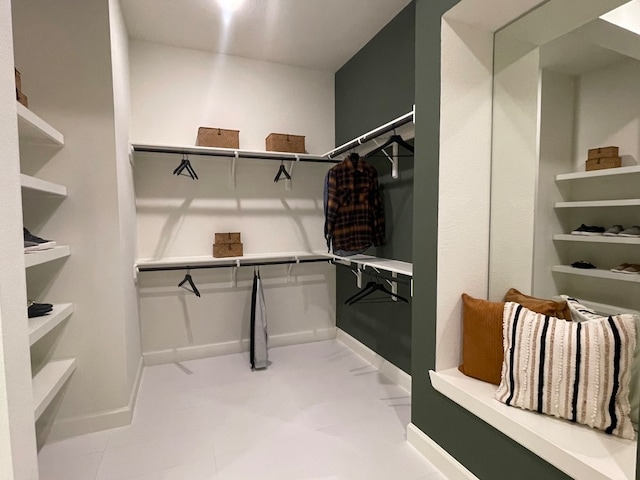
42, 187
604, 173
596, 273
48, 382
633, 202
40, 326
33, 129
565, 237
33, 259
51, 377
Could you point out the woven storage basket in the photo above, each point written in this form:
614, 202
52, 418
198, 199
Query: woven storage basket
602, 152
282, 142
218, 137
18, 80
231, 237
602, 163
221, 250
22, 98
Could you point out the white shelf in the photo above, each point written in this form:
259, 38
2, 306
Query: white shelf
226, 261
609, 172
597, 273
227, 152
577, 450
38, 258
597, 239
633, 202
40, 326
32, 129
42, 186
395, 266
48, 382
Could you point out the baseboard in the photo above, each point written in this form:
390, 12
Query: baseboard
386, 368
94, 422
182, 354
441, 459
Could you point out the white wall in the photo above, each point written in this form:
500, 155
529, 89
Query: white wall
177, 90
174, 91
465, 149
126, 194
17, 433
557, 111
607, 112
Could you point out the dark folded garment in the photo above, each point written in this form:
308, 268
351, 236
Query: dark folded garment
38, 309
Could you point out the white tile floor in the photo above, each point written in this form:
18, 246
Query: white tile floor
318, 412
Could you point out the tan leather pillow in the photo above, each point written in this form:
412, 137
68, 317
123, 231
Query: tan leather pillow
482, 351
539, 305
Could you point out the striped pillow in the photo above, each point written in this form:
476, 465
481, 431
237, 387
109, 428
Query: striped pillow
577, 371
580, 313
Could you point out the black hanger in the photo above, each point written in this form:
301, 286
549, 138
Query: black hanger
186, 164
369, 289
189, 280
354, 157
392, 139
280, 172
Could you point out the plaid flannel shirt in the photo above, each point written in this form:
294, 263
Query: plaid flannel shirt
354, 217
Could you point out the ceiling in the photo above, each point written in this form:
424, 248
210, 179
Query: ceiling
316, 34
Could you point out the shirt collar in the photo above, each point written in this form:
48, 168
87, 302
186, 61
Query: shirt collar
349, 164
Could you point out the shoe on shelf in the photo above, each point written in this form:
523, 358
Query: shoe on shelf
620, 268
613, 230
631, 232
588, 230
40, 242
633, 268
583, 264
38, 309
31, 246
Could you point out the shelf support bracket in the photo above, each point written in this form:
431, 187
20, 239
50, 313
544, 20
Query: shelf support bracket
288, 182
232, 170
394, 285
234, 277
358, 275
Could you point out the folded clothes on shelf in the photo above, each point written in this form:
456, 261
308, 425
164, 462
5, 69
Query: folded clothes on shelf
33, 243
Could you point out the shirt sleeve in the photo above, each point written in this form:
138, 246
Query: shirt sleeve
378, 211
331, 206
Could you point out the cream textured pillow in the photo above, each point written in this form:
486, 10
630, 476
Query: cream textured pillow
579, 371
580, 313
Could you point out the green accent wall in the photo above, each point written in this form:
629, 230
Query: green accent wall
485, 451
373, 88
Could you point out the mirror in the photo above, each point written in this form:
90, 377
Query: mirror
565, 82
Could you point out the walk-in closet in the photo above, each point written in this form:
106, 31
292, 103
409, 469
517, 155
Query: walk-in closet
248, 227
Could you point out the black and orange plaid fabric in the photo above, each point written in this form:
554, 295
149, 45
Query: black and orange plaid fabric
354, 214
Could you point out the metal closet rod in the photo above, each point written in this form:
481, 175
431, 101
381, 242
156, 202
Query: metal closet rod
251, 264
403, 120
231, 154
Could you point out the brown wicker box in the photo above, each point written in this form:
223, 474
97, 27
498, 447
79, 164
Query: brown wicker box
221, 250
218, 137
282, 142
602, 152
22, 98
602, 163
231, 237
18, 80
